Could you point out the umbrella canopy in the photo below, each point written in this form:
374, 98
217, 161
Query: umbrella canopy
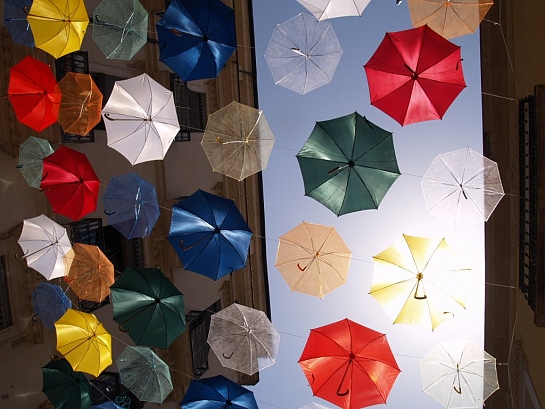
209, 235
144, 374
217, 392
32, 93
131, 205
459, 374
91, 273
15, 12
415, 75
45, 244
238, 141
50, 303
83, 342
120, 28
70, 183
449, 18
303, 53
140, 119
65, 388
313, 259
197, 38
348, 164
243, 339
148, 306
58, 26
417, 280
462, 186
349, 365
81, 103
334, 8
31, 159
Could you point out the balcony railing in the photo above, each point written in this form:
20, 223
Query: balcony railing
532, 202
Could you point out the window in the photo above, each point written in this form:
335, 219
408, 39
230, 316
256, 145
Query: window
199, 325
5, 308
190, 108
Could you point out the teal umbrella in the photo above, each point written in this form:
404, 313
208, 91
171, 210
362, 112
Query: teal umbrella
31, 159
348, 164
144, 374
120, 28
148, 307
65, 388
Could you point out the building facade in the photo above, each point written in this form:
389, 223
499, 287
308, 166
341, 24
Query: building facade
514, 136
25, 346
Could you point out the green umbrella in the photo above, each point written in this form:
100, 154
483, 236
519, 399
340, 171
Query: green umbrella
65, 388
31, 159
148, 306
348, 164
120, 28
144, 374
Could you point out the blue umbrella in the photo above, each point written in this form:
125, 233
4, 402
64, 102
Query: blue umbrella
131, 205
50, 303
209, 235
15, 12
196, 38
217, 392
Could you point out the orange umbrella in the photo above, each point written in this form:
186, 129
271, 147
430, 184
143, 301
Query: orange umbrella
81, 103
91, 273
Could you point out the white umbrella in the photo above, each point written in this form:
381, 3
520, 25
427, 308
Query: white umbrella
45, 245
140, 119
243, 339
324, 9
459, 374
462, 187
303, 53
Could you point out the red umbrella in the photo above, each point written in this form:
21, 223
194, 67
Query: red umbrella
31, 92
70, 183
415, 75
349, 365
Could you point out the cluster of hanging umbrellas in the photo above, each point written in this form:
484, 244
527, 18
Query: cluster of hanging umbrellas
348, 164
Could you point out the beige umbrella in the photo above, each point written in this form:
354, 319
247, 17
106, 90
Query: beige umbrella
449, 18
313, 259
238, 141
418, 281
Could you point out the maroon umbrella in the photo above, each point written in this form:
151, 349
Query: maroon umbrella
415, 75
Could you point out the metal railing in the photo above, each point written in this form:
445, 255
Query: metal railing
528, 199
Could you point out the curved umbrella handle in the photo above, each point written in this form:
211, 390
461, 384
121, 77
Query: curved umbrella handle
458, 391
419, 297
108, 213
33, 318
339, 393
176, 32
219, 140
299, 267
123, 329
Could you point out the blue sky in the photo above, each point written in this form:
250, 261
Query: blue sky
292, 118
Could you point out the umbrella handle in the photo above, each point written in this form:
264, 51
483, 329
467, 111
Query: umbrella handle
219, 140
458, 391
299, 267
56, 357
123, 329
108, 213
33, 318
339, 393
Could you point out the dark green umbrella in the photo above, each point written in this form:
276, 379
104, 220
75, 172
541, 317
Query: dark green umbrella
65, 388
31, 159
120, 28
348, 164
148, 307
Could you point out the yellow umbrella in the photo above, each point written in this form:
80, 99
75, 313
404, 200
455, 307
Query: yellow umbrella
58, 26
313, 259
418, 281
449, 18
83, 341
